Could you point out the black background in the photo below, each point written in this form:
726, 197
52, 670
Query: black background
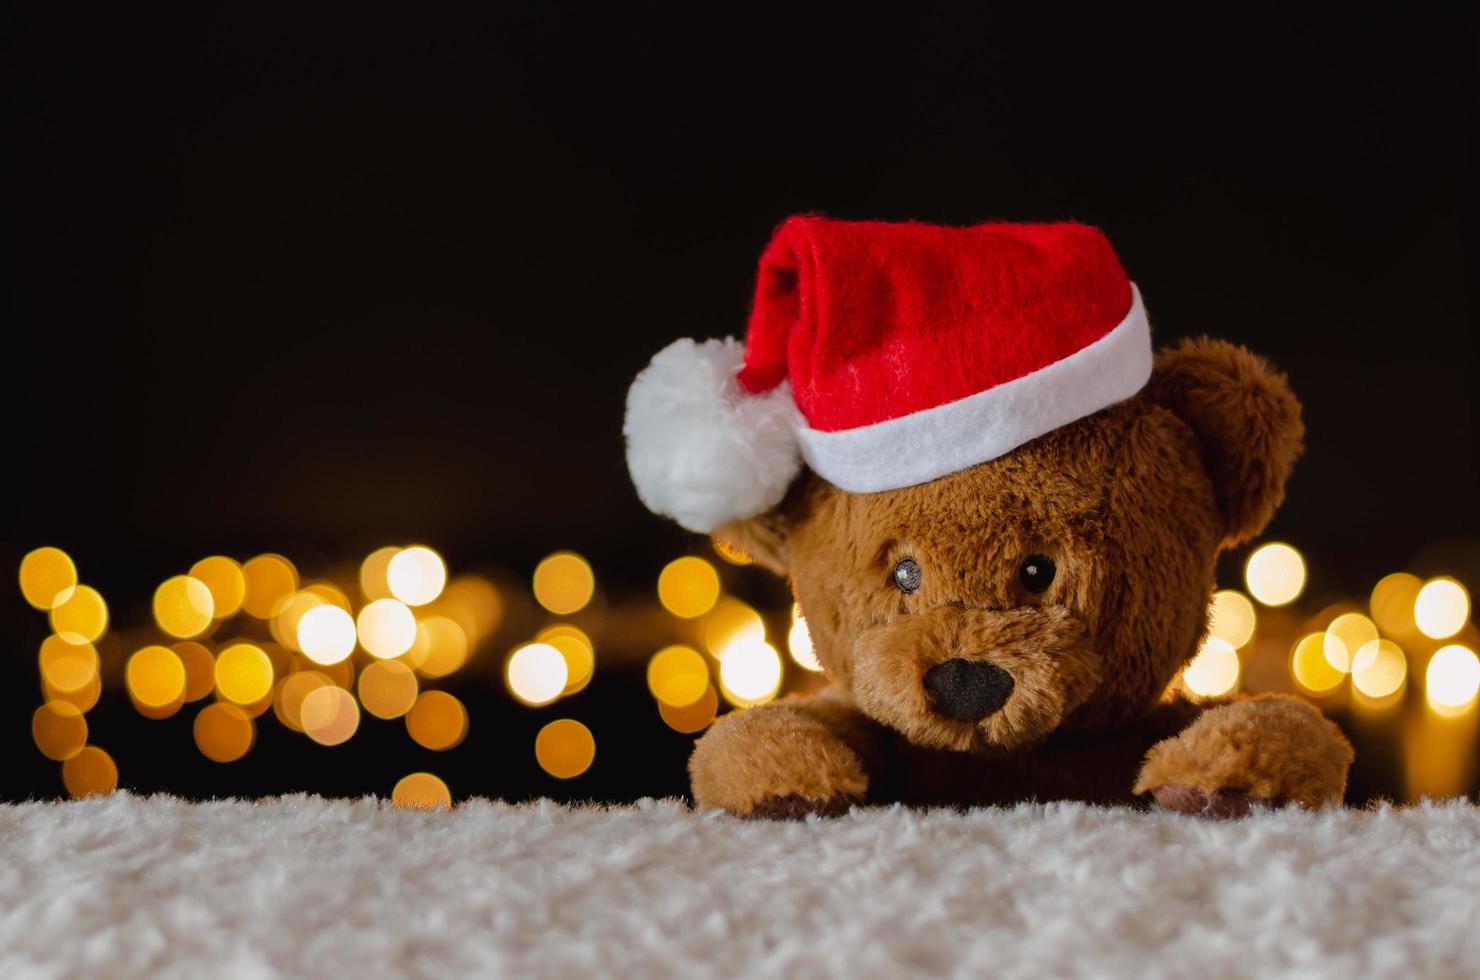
311, 282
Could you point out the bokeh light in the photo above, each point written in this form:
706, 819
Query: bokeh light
200, 668
329, 715
564, 583
799, 643
1452, 681
244, 674
731, 622
1392, 603
1275, 574
416, 575
749, 672
326, 634
155, 677
677, 676
288, 613
269, 579
46, 575
223, 732
1214, 671
688, 587
693, 717
67, 666
1311, 667
421, 791
224, 578
575, 646
441, 647
80, 617
536, 674
1441, 608
183, 607
374, 583
287, 702
387, 688
1379, 669
83, 699
90, 772
387, 628
437, 721
1231, 618
565, 748
1347, 634
59, 730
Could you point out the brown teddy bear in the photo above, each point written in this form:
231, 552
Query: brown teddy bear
1000, 515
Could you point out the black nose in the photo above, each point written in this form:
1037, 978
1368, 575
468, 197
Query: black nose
967, 690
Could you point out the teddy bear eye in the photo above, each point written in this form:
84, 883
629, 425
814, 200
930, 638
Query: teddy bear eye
907, 575
1036, 573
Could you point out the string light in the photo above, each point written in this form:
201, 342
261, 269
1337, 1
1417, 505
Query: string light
227, 585
1275, 574
565, 748
749, 672
677, 676
416, 575
155, 677
1441, 608
47, 576
388, 688
326, 634
575, 646
223, 732
80, 615
563, 583
1379, 669
387, 628
67, 667
1452, 681
536, 674
1347, 634
329, 715
688, 587
1311, 666
244, 674
267, 581
59, 730
437, 721
183, 607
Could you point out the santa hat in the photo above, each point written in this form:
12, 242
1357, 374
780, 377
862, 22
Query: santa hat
886, 355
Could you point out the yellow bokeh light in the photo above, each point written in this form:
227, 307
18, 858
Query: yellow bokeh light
330, 594
200, 668
694, 717
1441, 608
387, 628
749, 672
1311, 667
421, 791
269, 579
224, 578
1392, 603
731, 622
244, 674
80, 617
441, 647
155, 677
799, 643
329, 715
731, 552
437, 721
287, 701
289, 613
565, 748
1231, 618
387, 688
416, 575
688, 587
90, 772
326, 634
1347, 634
373, 582
1275, 574
67, 666
83, 699
1214, 671
46, 575
223, 732
536, 674
475, 603
59, 730
1452, 681
677, 676
575, 647
564, 583
183, 607
1379, 668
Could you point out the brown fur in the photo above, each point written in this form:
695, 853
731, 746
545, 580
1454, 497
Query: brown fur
1132, 504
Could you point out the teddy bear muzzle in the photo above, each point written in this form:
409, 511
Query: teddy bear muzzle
967, 690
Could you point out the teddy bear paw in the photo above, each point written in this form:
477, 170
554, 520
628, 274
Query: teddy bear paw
1224, 803
796, 807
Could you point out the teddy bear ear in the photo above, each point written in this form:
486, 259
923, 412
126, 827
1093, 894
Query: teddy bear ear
763, 538
1246, 419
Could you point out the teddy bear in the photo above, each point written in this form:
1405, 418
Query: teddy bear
999, 510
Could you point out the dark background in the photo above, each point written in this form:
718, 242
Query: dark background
313, 282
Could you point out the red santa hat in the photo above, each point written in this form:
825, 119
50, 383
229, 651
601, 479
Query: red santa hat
885, 355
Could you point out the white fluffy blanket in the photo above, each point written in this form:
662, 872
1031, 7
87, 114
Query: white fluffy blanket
299, 886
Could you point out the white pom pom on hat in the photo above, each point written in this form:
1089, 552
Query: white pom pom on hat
886, 355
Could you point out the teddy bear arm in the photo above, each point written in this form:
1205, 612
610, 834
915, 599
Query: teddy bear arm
787, 759
1266, 750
